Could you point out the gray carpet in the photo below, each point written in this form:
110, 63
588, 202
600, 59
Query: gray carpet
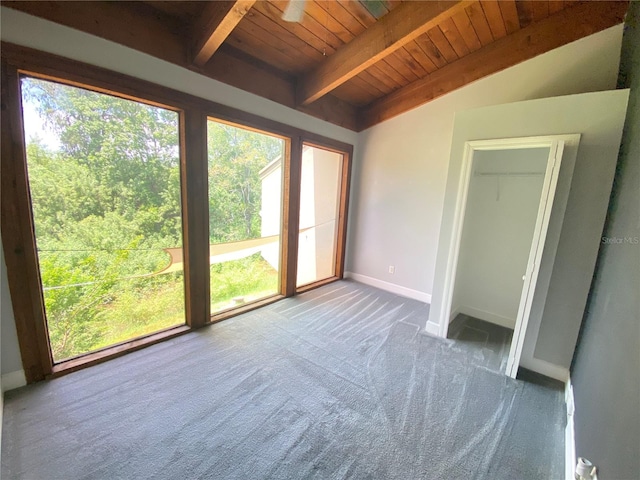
488, 343
337, 383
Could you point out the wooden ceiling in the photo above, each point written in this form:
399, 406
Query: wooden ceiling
340, 63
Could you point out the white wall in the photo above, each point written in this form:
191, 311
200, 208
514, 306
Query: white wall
22, 29
575, 227
271, 209
10, 361
401, 165
497, 233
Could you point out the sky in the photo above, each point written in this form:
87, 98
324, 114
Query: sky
34, 126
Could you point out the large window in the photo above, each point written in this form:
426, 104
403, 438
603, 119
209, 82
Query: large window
104, 178
132, 213
320, 191
245, 204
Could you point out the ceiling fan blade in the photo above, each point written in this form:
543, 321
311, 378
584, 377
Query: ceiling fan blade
294, 11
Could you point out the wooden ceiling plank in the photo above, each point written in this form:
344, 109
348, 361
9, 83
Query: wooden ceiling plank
214, 25
388, 69
494, 18
372, 93
359, 11
315, 11
442, 44
421, 58
308, 22
343, 16
525, 12
427, 46
248, 43
480, 24
509, 15
391, 32
410, 62
468, 33
564, 27
452, 33
124, 23
280, 39
540, 10
555, 6
186, 11
119, 22
397, 63
353, 94
376, 85
383, 76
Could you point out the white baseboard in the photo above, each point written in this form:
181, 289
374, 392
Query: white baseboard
432, 329
390, 287
488, 317
569, 434
13, 380
545, 368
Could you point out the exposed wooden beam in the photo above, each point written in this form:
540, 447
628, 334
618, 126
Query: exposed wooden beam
132, 24
400, 26
217, 21
125, 23
564, 27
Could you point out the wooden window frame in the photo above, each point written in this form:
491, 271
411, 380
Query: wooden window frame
343, 210
18, 236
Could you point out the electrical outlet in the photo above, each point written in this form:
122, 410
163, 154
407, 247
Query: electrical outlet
392, 269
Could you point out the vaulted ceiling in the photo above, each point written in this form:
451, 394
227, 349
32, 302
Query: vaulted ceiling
352, 63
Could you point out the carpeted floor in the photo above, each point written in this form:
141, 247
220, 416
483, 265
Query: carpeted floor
339, 382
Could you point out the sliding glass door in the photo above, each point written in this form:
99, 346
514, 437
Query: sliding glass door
104, 181
320, 194
245, 214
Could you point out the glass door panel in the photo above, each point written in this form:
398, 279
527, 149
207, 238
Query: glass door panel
245, 214
319, 213
104, 179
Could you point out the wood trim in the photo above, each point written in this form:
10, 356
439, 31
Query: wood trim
18, 236
73, 72
400, 26
292, 177
132, 24
226, 314
345, 187
94, 358
214, 25
195, 216
343, 222
319, 283
126, 24
17, 225
559, 29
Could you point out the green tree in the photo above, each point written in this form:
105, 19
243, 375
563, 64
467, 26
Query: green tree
108, 201
236, 157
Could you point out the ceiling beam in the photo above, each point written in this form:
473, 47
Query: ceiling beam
397, 28
139, 26
214, 25
564, 27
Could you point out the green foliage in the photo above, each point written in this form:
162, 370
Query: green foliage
236, 157
241, 281
107, 203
